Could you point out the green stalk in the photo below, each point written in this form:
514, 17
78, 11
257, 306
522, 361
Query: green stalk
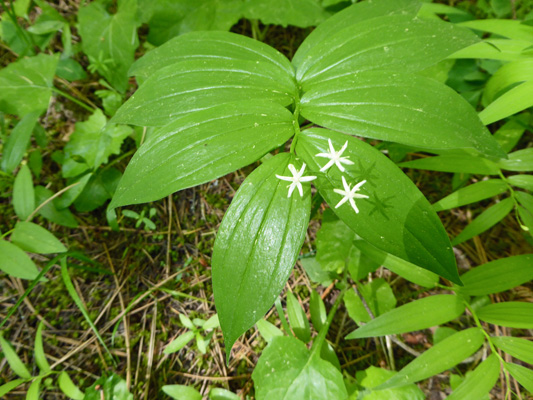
73, 99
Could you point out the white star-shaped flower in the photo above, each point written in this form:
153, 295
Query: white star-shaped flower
335, 157
296, 179
350, 195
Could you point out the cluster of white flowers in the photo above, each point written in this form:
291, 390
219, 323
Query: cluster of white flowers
335, 158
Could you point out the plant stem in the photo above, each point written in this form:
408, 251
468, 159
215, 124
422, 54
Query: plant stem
284, 322
73, 99
318, 342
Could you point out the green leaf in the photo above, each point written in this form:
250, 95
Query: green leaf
211, 323
350, 16
520, 160
256, 246
179, 343
515, 100
516, 347
405, 269
333, 243
355, 307
93, 141
34, 390
512, 29
315, 272
498, 276
202, 146
182, 392
300, 13
50, 212
13, 360
521, 181
356, 104
198, 84
23, 193
71, 70
496, 49
25, 85
439, 358
110, 40
68, 387
373, 376
419, 314
461, 163
393, 42
298, 319
317, 308
17, 142
286, 368
170, 18
268, 330
68, 197
36, 239
512, 314
396, 218
100, 188
479, 382
200, 46
222, 394
509, 74
523, 375
471, 194
487, 219
9, 386
379, 296
15, 262
112, 388
510, 133
40, 357
525, 199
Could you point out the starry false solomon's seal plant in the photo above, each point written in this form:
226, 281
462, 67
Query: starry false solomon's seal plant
220, 101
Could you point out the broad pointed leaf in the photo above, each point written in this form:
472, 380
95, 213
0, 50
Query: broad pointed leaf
201, 147
256, 246
439, 358
498, 276
357, 13
36, 239
414, 316
396, 217
393, 42
25, 85
15, 262
17, 142
210, 45
300, 13
68, 387
479, 382
433, 118
195, 85
288, 371
110, 40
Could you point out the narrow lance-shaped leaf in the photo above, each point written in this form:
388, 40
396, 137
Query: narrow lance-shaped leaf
202, 146
286, 369
444, 355
487, 219
479, 382
516, 347
356, 104
23, 193
180, 392
396, 217
517, 99
472, 193
523, 375
297, 318
194, 85
512, 314
520, 160
18, 141
68, 387
40, 357
419, 314
509, 74
257, 245
13, 359
498, 276
459, 163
